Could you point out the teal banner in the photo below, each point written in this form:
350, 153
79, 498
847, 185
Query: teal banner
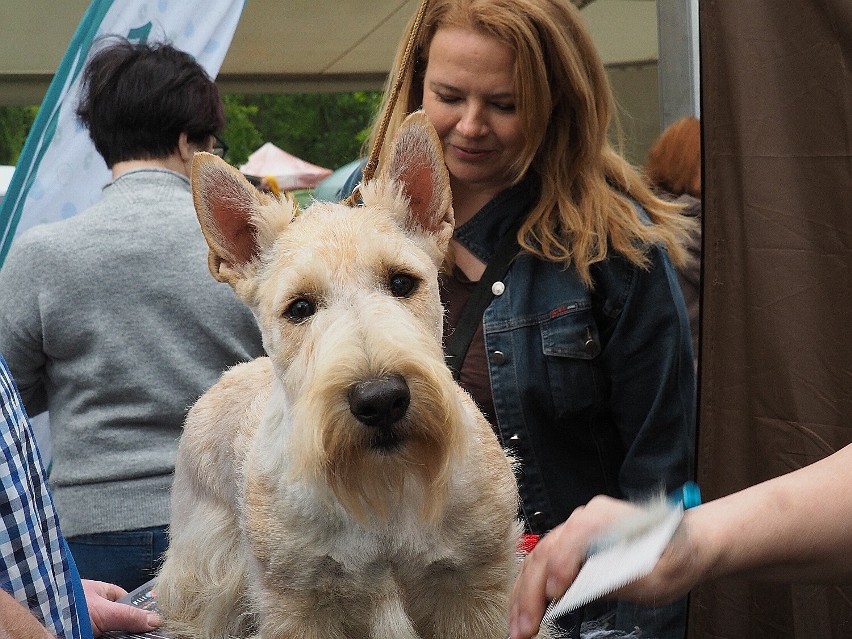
59, 172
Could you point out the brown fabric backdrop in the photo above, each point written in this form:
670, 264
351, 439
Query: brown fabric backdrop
776, 349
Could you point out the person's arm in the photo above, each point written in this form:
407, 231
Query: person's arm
648, 364
21, 322
107, 614
791, 528
16, 622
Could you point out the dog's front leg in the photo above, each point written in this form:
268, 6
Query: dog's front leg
202, 585
470, 615
377, 615
391, 621
314, 625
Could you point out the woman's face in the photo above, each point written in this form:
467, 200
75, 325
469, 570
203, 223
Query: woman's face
469, 96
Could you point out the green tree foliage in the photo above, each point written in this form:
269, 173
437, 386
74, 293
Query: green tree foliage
15, 124
240, 133
327, 129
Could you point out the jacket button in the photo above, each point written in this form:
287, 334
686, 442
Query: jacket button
498, 288
498, 357
591, 346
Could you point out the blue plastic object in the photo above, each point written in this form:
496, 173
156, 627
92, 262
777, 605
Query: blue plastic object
689, 495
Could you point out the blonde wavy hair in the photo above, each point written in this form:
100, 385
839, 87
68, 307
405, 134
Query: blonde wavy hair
566, 104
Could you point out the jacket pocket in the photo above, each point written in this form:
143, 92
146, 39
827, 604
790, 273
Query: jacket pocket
570, 343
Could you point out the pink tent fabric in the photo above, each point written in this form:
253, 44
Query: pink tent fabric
289, 171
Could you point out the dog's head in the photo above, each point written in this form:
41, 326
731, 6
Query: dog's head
348, 304
241, 224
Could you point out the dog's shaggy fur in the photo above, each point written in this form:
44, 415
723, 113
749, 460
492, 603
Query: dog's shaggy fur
344, 486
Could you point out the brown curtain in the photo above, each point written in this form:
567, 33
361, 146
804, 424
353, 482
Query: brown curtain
776, 345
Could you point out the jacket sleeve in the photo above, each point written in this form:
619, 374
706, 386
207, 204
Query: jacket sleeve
653, 394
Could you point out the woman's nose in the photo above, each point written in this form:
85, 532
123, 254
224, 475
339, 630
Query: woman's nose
472, 122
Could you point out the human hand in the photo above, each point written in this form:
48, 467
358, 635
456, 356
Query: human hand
553, 565
107, 614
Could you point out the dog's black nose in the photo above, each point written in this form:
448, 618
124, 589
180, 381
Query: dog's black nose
380, 402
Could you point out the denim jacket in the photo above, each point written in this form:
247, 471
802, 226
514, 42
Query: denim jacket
594, 390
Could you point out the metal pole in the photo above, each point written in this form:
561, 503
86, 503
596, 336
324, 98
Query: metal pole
678, 64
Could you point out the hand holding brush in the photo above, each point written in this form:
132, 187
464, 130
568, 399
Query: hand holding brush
623, 544
794, 527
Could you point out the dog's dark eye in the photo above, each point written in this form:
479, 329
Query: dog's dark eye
402, 285
300, 310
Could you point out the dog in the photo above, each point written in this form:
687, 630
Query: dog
344, 486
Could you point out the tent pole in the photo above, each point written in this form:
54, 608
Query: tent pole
677, 31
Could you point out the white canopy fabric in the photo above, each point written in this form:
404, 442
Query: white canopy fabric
297, 46
289, 171
307, 46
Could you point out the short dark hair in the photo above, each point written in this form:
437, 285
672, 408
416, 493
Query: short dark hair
137, 99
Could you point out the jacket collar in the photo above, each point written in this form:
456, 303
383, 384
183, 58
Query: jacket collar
481, 233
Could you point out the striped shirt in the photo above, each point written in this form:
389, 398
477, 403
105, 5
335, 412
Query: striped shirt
34, 565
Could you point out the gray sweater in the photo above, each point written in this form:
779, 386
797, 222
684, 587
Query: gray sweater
111, 320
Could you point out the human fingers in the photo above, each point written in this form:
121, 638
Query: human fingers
111, 615
528, 599
553, 565
107, 614
92, 588
545, 575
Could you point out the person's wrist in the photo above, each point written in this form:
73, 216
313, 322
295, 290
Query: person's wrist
706, 545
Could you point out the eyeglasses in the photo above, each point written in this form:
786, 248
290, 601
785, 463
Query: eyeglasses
220, 148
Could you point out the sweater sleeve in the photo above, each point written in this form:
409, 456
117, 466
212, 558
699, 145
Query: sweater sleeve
21, 336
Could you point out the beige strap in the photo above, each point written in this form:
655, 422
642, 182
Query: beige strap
373, 161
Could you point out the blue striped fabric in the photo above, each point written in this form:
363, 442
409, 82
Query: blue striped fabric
34, 567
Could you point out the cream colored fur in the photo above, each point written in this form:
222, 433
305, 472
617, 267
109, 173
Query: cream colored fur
291, 518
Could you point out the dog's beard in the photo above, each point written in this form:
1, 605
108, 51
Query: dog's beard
373, 473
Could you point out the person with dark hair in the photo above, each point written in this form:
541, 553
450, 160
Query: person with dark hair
673, 167
110, 318
581, 355
144, 102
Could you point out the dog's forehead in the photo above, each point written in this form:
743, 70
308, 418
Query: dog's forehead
344, 237
326, 223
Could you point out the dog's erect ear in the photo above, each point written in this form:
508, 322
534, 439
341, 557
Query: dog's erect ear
238, 221
416, 162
